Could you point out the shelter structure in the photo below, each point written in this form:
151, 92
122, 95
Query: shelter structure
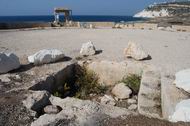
67, 13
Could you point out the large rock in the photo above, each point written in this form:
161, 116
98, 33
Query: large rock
37, 100
149, 96
79, 112
182, 112
109, 73
8, 62
171, 99
46, 56
121, 91
88, 49
135, 51
183, 80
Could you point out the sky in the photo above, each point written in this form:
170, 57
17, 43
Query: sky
79, 7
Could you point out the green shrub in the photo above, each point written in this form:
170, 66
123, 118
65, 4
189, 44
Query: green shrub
133, 82
87, 83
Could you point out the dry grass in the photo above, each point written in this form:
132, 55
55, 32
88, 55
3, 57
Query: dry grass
88, 83
133, 82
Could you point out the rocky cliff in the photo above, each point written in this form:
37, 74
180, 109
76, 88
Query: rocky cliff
175, 12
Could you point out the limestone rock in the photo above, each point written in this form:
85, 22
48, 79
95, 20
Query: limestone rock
107, 99
183, 80
46, 56
182, 112
52, 109
37, 100
135, 51
106, 71
132, 107
149, 96
8, 62
88, 49
79, 112
171, 99
121, 91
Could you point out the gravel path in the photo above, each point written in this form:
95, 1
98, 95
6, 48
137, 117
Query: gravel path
168, 49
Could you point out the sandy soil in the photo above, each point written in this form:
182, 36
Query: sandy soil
168, 49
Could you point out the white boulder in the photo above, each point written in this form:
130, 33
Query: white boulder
135, 51
46, 56
8, 62
121, 91
88, 49
182, 80
182, 112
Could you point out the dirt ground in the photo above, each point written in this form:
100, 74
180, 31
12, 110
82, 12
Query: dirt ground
168, 49
139, 121
13, 113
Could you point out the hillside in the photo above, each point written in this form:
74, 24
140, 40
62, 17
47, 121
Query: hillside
175, 12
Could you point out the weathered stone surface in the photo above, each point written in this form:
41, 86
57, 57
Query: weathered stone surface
135, 51
182, 112
182, 80
37, 100
51, 77
79, 112
169, 100
5, 78
46, 56
132, 107
131, 101
149, 97
121, 91
88, 49
107, 99
52, 109
109, 72
8, 62
135, 68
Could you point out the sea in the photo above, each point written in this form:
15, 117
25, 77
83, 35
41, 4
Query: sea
20, 19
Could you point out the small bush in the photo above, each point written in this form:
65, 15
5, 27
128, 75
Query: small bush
133, 82
87, 83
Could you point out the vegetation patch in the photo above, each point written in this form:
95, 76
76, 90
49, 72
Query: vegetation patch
82, 85
88, 83
133, 82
